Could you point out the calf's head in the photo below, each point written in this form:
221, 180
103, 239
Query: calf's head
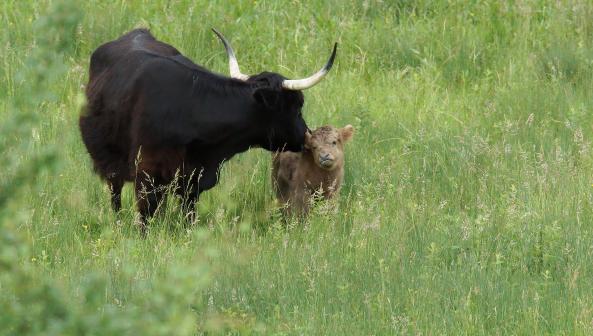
280, 101
326, 145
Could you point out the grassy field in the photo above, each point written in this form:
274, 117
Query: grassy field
468, 197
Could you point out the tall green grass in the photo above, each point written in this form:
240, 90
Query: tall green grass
468, 197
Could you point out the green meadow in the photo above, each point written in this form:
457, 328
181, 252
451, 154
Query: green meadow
467, 206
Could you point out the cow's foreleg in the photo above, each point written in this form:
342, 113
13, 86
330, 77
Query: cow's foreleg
188, 191
188, 205
189, 194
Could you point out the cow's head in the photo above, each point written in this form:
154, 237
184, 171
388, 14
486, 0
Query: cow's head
281, 101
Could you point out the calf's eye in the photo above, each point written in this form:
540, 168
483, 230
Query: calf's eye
334, 143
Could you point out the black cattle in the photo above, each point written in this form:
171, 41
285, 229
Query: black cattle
152, 113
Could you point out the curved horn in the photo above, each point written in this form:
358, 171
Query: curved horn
305, 83
233, 64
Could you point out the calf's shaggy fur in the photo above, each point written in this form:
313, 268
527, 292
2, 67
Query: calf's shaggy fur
297, 177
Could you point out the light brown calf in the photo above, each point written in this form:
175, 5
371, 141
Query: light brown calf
296, 177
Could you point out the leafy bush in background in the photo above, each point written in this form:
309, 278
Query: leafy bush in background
32, 304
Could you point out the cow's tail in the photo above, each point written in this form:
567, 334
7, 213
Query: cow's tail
95, 130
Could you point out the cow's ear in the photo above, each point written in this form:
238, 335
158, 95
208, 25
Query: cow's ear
347, 132
267, 97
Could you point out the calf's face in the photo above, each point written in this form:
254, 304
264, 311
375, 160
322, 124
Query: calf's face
326, 145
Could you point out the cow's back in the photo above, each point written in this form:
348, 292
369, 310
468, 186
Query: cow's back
107, 55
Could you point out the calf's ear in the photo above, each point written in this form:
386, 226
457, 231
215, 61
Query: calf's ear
347, 132
308, 138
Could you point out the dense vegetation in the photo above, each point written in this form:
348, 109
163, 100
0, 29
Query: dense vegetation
468, 197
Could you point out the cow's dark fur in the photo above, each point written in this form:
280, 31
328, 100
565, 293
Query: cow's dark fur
152, 113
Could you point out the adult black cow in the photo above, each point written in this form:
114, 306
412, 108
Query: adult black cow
153, 116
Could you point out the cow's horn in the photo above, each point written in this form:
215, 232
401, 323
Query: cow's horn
305, 83
233, 64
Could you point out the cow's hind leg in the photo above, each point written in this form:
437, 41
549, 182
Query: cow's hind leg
150, 192
115, 186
